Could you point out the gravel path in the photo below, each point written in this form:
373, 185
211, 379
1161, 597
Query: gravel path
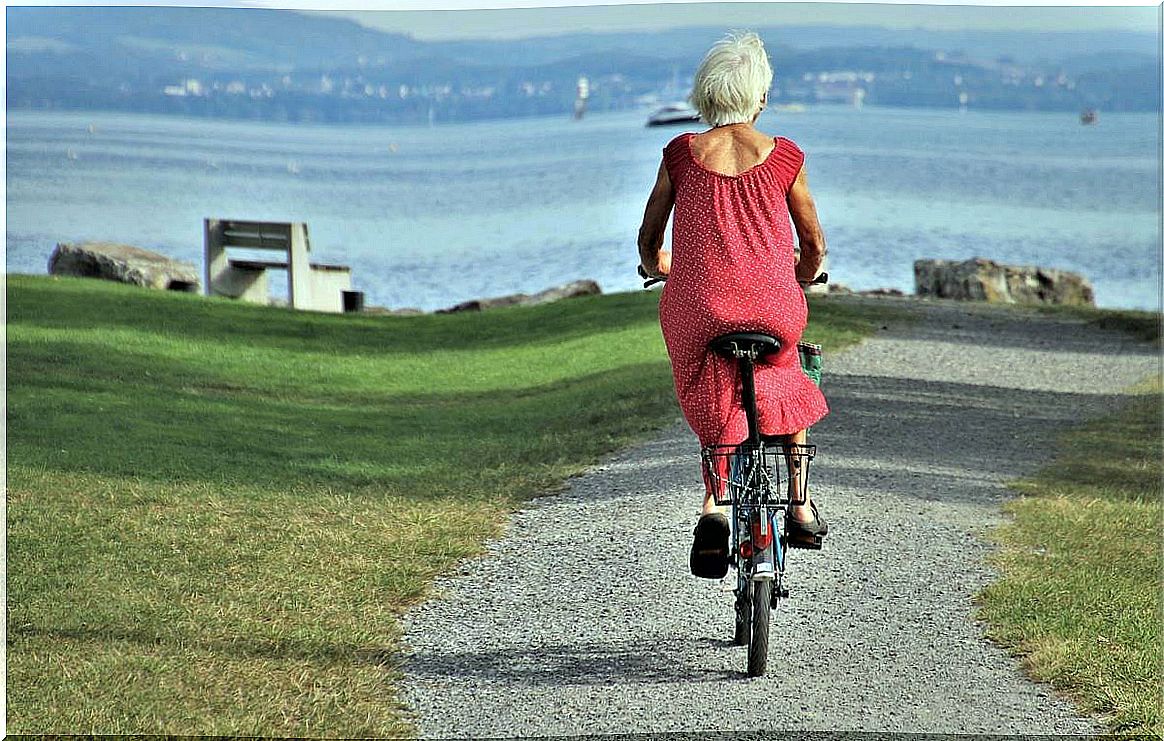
584, 619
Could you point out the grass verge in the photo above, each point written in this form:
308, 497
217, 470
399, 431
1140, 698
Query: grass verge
217, 511
1147, 326
1080, 594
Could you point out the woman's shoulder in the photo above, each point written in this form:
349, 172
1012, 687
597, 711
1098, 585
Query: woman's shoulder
785, 160
679, 141
789, 146
785, 149
675, 156
788, 156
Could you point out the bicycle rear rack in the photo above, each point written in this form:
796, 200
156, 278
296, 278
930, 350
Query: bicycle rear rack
751, 474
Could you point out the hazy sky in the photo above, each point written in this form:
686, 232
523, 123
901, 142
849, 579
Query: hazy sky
445, 19
514, 22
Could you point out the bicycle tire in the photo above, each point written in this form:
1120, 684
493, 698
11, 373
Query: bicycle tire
761, 599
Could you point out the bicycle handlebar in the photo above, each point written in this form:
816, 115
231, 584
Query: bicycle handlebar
649, 281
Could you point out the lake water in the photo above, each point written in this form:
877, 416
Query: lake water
428, 217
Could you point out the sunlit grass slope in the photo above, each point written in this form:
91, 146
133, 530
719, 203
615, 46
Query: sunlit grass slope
216, 511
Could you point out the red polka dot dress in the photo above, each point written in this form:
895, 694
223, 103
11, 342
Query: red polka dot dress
733, 270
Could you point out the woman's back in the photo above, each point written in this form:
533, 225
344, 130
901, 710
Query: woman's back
733, 243
734, 270
731, 150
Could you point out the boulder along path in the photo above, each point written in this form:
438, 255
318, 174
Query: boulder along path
583, 619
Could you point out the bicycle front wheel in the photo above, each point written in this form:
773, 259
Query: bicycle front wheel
761, 593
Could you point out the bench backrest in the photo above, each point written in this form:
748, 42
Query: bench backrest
290, 238
258, 235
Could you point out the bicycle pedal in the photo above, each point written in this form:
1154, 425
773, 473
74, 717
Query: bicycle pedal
811, 545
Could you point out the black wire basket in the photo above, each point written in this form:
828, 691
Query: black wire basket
757, 474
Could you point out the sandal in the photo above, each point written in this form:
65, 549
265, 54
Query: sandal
806, 534
709, 552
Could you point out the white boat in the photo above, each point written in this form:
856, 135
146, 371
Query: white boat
673, 113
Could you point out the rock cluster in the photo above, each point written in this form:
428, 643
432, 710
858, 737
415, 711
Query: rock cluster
979, 279
839, 289
569, 290
124, 264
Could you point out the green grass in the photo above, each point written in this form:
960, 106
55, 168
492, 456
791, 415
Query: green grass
217, 512
1080, 595
1144, 325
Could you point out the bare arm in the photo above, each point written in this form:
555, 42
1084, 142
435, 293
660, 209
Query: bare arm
662, 199
808, 232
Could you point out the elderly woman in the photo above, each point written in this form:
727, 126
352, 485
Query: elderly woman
733, 267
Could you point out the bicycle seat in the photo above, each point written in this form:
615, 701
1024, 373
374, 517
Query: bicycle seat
730, 345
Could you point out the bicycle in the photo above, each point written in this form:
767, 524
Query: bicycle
747, 477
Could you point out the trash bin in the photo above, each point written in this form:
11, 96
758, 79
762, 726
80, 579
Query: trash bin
353, 301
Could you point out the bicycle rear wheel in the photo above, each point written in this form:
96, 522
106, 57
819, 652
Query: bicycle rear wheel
761, 599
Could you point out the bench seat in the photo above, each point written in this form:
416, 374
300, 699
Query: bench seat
277, 265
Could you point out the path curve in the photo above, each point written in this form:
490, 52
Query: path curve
584, 620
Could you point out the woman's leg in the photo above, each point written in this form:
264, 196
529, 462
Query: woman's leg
709, 504
711, 547
798, 480
714, 481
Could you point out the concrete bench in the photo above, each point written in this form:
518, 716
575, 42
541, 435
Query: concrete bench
310, 286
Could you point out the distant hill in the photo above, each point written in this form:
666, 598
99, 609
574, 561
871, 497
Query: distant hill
214, 38
690, 43
283, 65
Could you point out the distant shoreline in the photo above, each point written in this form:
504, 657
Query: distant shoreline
875, 294
81, 113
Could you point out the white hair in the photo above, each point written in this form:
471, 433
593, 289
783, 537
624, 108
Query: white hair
732, 80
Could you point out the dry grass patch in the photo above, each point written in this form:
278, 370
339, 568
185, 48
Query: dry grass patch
1080, 595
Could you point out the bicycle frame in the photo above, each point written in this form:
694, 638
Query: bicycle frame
758, 541
753, 488
750, 474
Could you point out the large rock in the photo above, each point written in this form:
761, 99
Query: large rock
569, 290
124, 264
985, 280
